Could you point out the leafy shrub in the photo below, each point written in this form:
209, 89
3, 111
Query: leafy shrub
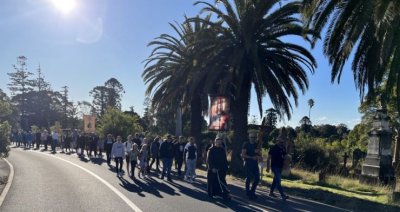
5, 130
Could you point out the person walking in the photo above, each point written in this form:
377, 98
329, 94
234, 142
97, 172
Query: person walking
166, 155
190, 155
133, 156
154, 153
137, 140
250, 155
81, 145
144, 152
55, 137
128, 148
100, 145
29, 139
43, 138
67, 142
179, 149
118, 153
275, 160
74, 141
108, 147
38, 135
93, 139
217, 168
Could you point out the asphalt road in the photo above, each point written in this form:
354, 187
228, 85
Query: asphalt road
60, 182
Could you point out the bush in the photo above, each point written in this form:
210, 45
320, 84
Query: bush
317, 153
5, 130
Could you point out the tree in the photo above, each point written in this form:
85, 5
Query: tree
117, 123
114, 91
5, 128
371, 30
305, 124
19, 86
40, 82
174, 71
100, 99
250, 51
66, 106
271, 117
310, 104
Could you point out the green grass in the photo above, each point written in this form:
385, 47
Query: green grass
339, 191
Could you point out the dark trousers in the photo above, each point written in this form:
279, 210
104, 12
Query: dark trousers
118, 164
252, 174
178, 165
53, 145
37, 144
167, 165
157, 160
108, 154
276, 182
216, 184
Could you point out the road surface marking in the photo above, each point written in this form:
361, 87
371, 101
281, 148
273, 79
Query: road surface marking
9, 182
121, 195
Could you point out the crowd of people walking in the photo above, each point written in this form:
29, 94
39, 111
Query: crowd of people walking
140, 153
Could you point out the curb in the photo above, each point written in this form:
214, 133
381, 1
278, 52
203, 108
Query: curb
9, 182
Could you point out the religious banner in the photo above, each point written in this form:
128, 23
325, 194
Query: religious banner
89, 123
219, 113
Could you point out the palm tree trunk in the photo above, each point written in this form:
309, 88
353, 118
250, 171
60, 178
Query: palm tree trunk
240, 109
195, 124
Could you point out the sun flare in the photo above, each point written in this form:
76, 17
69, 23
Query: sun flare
65, 6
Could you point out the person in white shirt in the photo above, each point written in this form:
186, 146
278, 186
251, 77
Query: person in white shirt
118, 153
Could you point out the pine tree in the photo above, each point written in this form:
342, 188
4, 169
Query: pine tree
20, 86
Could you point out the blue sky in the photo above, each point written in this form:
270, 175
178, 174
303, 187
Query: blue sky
100, 39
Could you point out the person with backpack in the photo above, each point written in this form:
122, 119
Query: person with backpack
128, 148
154, 153
166, 155
191, 158
118, 153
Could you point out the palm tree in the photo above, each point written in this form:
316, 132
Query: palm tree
370, 29
310, 104
250, 51
172, 68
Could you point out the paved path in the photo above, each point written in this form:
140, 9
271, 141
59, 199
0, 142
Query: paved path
47, 182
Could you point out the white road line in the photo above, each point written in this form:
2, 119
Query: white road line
121, 195
9, 182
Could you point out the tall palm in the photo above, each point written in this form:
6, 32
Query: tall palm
370, 29
310, 105
250, 49
171, 68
